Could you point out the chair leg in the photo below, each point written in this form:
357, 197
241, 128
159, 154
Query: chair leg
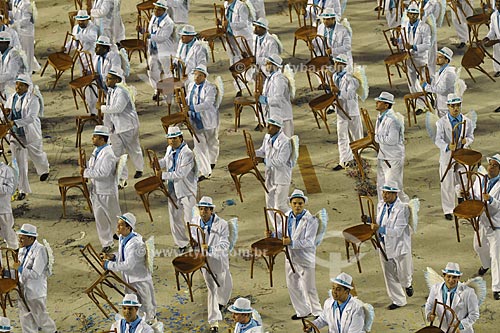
236, 116
359, 163
145, 202
309, 79
252, 263
44, 68
62, 190
325, 120
347, 249
294, 45
470, 74
238, 185
211, 44
456, 227
316, 118
271, 266
87, 197
356, 253
388, 74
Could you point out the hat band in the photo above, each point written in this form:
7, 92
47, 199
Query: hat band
206, 204
327, 15
452, 271
383, 99
495, 159
22, 80
203, 70
337, 59
390, 189
4, 39
84, 17
342, 282
174, 134
124, 218
260, 24
5, 328
27, 232
188, 32
454, 100
101, 133
298, 196
234, 308
130, 303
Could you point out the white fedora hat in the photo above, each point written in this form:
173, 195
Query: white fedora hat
4, 36
241, 305
327, 13
206, 202
385, 97
413, 8
161, 3
495, 158
28, 230
445, 51
24, 78
453, 99
103, 40
130, 300
389, 188
82, 15
452, 268
276, 121
4, 324
342, 58
298, 194
343, 279
128, 218
117, 71
101, 130
188, 30
173, 131
262, 22
201, 68
275, 59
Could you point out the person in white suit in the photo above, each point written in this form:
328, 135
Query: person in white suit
242, 313
432, 11
122, 119
338, 39
131, 261
14, 37
11, 65
322, 5
182, 181
443, 81
392, 226
450, 186
216, 233
342, 313
392, 14
7, 183
190, 50
489, 251
23, 22
238, 23
180, 11
101, 171
459, 20
461, 298
34, 268
85, 33
493, 37
204, 114
23, 108
129, 321
276, 151
389, 134
301, 237
275, 97
260, 9
346, 86
264, 44
107, 18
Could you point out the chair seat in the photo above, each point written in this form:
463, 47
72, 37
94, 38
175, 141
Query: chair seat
211, 33
358, 233
241, 166
322, 101
81, 81
68, 181
414, 95
147, 185
430, 329
146, 5
244, 100
478, 19
467, 156
361, 143
269, 246
60, 60
473, 57
241, 65
469, 209
3, 130
189, 262
7, 285
133, 43
318, 62
396, 57
306, 32
174, 118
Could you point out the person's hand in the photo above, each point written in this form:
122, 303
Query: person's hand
335, 89
204, 247
408, 46
431, 317
374, 226
260, 159
12, 123
193, 243
486, 197
138, 28
307, 328
452, 146
225, 23
7, 111
268, 233
287, 241
16, 264
98, 105
464, 141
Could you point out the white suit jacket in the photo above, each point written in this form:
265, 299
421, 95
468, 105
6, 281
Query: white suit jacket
33, 278
303, 249
444, 136
106, 13
397, 237
110, 60
132, 264
101, 172
217, 241
335, 4
184, 177
432, 7
277, 159
264, 47
197, 55
339, 41
141, 328
494, 32
421, 40
30, 122
464, 304
14, 37
120, 110
241, 21
347, 96
493, 207
389, 135
164, 36
207, 103
10, 67
87, 37
442, 84
277, 91
353, 317
180, 10
22, 15
6, 188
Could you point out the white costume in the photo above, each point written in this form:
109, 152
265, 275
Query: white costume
464, 302
432, 8
494, 34
450, 186
107, 17
14, 37
277, 91
25, 114
182, 185
462, 27
263, 47
442, 84
239, 24
123, 122
202, 101
180, 11
192, 54
310, 10
33, 281
130, 260
101, 171
260, 9
11, 65
352, 319
278, 169
24, 24
142, 327
396, 241
338, 40
217, 239
393, 20
419, 37
7, 183
85, 37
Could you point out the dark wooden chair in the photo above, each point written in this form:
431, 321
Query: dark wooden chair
368, 142
244, 166
4, 130
318, 65
10, 278
399, 58
250, 101
212, 34
79, 85
272, 244
291, 5
240, 70
61, 61
145, 8
81, 120
412, 98
169, 85
71, 18
448, 320
307, 30
190, 262
356, 235
180, 117
139, 44
78, 182
473, 59
307, 323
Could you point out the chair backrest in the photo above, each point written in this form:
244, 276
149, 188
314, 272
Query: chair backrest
300, 10
243, 47
367, 209
82, 160
448, 317
180, 98
93, 259
179, 70
456, 139
153, 162
306, 323
142, 24
396, 38
279, 221
370, 129
71, 17
259, 82
69, 37
249, 145
200, 237
219, 15
84, 60
467, 179
7, 269
318, 46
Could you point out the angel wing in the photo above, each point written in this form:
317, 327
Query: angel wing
24, 57
295, 150
125, 61
219, 85
322, 216
482, 170
50, 255
150, 253
347, 25
290, 75
369, 315
34, 10
479, 285
430, 124
459, 86
442, 12
131, 90
197, 162
15, 169
359, 72
343, 5
120, 166
472, 115
431, 21
256, 316
414, 206
233, 232
204, 44
278, 41
432, 277
38, 94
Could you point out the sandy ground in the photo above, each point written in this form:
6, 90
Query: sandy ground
433, 245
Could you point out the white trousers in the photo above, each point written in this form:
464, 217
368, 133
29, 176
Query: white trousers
392, 20
344, 128
28, 45
301, 286
462, 28
33, 150
391, 175
37, 318
397, 275
6, 231
106, 209
91, 98
431, 63
207, 150
217, 295
489, 252
157, 66
496, 55
450, 186
179, 217
146, 295
278, 196
128, 142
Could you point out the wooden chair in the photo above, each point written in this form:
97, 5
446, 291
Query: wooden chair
244, 166
106, 280
396, 38
61, 61
139, 44
447, 319
473, 58
146, 186
78, 182
180, 117
240, 69
319, 63
10, 278
363, 232
71, 17
81, 120
272, 245
250, 101
212, 34
79, 85
307, 30
368, 142
412, 98
307, 323
168, 85
145, 8
291, 5
195, 260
